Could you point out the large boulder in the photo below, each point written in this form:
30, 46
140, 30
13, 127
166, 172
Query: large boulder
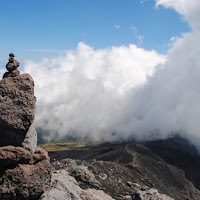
17, 103
23, 175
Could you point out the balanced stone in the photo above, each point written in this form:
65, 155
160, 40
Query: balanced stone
12, 66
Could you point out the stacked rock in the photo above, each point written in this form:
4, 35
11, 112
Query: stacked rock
12, 66
25, 169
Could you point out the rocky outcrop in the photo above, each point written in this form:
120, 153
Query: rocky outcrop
81, 173
65, 187
17, 102
25, 170
146, 193
23, 175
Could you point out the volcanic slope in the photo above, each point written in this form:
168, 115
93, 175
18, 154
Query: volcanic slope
145, 164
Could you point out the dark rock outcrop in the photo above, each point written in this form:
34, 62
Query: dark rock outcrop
23, 175
17, 103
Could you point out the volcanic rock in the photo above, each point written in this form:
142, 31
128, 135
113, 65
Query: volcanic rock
30, 141
148, 194
12, 66
12, 156
17, 102
81, 173
127, 165
65, 187
23, 175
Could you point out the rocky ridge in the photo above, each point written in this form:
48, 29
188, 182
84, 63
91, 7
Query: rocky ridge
85, 177
119, 168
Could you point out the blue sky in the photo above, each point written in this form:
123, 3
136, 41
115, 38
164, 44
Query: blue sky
54, 26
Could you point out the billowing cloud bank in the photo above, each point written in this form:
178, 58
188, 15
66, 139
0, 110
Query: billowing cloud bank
124, 91
87, 91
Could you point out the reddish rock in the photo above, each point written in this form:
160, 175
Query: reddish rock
23, 175
13, 73
17, 102
12, 156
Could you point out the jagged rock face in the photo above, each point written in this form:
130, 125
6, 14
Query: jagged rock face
23, 175
17, 103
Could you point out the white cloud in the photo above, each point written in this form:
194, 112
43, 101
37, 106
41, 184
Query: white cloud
133, 28
116, 26
169, 103
87, 90
100, 92
142, 1
140, 39
188, 8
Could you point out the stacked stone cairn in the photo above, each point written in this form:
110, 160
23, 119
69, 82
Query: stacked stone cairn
25, 169
12, 66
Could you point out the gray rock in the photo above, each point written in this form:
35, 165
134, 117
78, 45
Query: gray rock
93, 194
30, 141
17, 103
82, 173
65, 187
127, 197
55, 194
148, 194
